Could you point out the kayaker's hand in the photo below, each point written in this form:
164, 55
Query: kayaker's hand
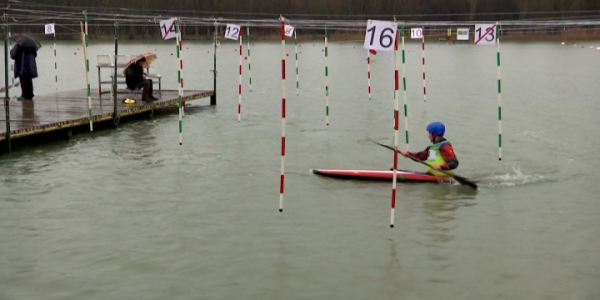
436, 167
404, 153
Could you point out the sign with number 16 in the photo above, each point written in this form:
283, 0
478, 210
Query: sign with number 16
380, 35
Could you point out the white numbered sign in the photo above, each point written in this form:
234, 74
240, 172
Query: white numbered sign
167, 29
416, 33
462, 34
289, 30
49, 29
380, 35
485, 34
232, 31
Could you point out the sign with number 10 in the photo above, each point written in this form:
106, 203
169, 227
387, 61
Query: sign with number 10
380, 35
416, 33
232, 32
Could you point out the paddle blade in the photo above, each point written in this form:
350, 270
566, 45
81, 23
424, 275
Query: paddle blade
464, 181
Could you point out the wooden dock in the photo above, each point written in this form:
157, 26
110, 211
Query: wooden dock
69, 109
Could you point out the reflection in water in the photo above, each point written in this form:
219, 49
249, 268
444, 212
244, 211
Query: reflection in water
393, 271
27, 110
439, 224
139, 145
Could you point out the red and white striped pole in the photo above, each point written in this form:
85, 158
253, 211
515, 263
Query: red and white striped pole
423, 45
240, 82
282, 176
369, 71
396, 114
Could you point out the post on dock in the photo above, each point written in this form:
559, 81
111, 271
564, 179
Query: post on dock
7, 88
114, 83
213, 98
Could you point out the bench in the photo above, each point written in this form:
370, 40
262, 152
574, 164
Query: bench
105, 62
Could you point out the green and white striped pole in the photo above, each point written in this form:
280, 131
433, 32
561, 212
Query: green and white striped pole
404, 84
249, 69
296, 48
326, 82
87, 66
55, 65
12, 62
239, 108
499, 93
179, 79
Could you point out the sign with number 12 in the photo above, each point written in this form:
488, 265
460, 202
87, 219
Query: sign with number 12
232, 32
380, 35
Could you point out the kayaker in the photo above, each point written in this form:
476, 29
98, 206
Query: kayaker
440, 155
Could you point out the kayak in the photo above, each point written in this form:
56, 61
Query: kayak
401, 175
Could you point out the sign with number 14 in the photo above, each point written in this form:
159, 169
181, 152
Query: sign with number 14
167, 29
380, 35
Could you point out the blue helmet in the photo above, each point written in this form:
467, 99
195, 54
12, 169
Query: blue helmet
437, 128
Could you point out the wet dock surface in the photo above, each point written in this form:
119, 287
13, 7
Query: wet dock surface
68, 109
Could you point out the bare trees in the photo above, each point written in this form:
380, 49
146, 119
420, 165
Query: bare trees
431, 10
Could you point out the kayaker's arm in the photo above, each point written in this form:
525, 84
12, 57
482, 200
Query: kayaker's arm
447, 153
419, 155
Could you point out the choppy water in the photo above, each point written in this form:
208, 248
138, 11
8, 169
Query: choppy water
130, 214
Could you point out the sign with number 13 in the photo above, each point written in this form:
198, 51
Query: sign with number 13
485, 34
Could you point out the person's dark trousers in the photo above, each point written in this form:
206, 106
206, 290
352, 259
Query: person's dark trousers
26, 86
146, 86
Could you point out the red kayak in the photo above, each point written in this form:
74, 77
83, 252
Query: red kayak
411, 176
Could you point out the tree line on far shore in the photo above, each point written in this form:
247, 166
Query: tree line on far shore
406, 10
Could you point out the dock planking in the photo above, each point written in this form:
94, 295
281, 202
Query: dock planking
68, 109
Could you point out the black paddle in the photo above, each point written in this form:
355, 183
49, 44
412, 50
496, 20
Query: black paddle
459, 179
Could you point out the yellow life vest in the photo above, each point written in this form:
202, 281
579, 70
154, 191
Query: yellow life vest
435, 159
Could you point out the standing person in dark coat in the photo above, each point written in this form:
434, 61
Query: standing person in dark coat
136, 78
25, 69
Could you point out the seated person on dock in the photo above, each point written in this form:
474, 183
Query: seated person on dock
136, 79
440, 155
